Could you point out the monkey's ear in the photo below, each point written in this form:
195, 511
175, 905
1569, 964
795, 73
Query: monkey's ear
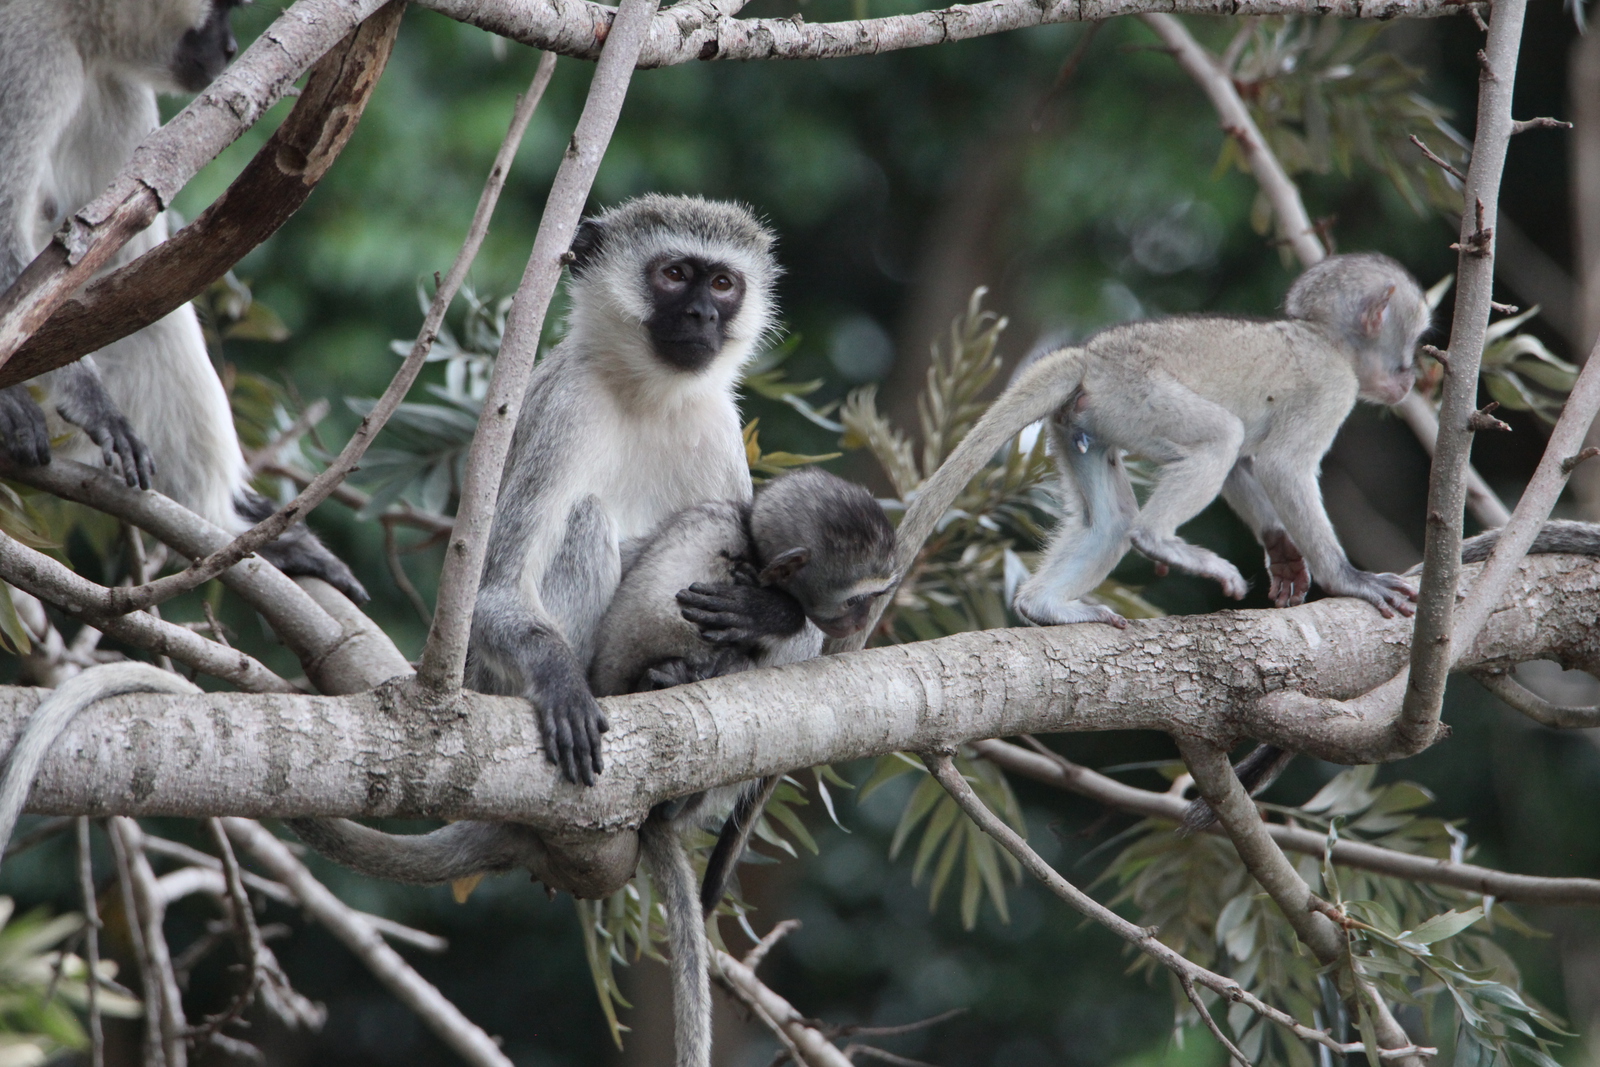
785, 567
585, 245
1376, 312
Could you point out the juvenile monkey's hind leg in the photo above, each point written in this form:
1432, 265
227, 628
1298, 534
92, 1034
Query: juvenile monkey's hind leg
1196, 443
1097, 509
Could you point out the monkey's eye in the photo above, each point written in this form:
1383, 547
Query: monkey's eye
722, 283
674, 272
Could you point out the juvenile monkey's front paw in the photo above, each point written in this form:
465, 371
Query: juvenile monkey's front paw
571, 726
1391, 594
1287, 569
1066, 613
1191, 559
734, 614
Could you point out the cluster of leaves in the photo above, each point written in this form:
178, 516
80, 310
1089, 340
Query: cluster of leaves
948, 826
1517, 369
1325, 95
41, 982
1417, 944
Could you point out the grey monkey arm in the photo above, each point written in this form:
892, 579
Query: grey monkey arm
514, 651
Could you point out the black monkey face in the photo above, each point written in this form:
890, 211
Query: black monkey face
692, 300
204, 52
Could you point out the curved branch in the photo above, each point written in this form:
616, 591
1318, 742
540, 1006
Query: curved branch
38, 574
272, 187
203, 570
1536, 707
168, 158
687, 32
1139, 937
1062, 773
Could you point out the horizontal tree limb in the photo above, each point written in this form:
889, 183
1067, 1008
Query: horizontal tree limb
1514, 888
686, 32
391, 751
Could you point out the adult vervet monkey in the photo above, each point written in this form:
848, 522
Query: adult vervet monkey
629, 420
78, 84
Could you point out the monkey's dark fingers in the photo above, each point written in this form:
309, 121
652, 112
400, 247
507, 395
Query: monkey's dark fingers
708, 597
22, 426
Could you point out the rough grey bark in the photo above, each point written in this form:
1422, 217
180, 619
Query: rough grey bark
375, 754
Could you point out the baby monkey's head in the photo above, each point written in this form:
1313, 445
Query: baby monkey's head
827, 543
1376, 309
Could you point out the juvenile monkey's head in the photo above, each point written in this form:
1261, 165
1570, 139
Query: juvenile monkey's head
689, 281
175, 46
827, 543
1374, 308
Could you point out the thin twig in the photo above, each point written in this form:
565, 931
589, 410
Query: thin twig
944, 769
1443, 164
444, 658
247, 932
394, 931
203, 570
152, 914
149, 983
807, 1044
397, 571
753, 958
141, 575
1054, 769
403, 513
91, 943
1211, 1024
432, 1007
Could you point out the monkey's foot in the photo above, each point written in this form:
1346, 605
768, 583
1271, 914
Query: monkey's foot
1391, 594
1191, 559
1287, 568
23, 433
1066, 613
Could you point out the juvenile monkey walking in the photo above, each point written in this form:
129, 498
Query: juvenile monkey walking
1239, 407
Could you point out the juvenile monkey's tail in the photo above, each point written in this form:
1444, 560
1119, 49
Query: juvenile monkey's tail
732, 840
56, 712
1044, 386
686, 935
448, 854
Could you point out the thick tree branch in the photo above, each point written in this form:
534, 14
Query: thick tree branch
687, 32
272, 187
385, 753
170, 157
1062, 773
445, 656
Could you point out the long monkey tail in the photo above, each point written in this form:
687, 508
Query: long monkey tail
56, 712
1040, 389
686, 934
734, 837
459, 850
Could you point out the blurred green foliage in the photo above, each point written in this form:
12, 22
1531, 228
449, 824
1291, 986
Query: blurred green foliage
1079, 200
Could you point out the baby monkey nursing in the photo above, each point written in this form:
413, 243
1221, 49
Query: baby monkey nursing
1242, 408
